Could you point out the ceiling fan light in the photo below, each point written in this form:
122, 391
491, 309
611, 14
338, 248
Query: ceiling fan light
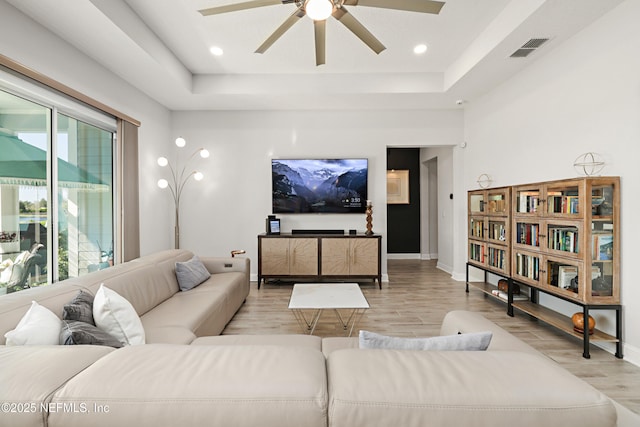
216, 51
318, 10
420, 49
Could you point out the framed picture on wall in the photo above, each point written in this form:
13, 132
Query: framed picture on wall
398, 187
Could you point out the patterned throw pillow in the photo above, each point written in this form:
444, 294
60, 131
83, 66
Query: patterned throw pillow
80, 308
75, 332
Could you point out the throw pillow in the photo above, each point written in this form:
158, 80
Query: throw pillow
191, 273
75, 332
116, 316
477, 341
80, 308
39, 326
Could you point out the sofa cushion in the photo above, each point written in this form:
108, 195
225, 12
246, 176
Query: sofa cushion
168, 335
75, 332
30, 375
475, 341
80, 308
480, 388
191, 273
116, 316
331, 344
168, 385
296, 340
39, 326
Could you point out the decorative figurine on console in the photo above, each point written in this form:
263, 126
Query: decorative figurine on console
369, 213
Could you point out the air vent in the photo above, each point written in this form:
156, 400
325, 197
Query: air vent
528, 48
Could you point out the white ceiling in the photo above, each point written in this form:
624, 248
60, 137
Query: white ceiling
162, 48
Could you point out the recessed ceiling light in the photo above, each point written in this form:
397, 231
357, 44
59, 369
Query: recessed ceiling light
420, 49
216, 51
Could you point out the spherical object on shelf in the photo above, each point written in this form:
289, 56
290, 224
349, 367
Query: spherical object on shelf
578, 323
589, 164
484, 180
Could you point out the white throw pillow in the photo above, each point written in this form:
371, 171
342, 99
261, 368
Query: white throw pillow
39, 326
116, 316
477, 341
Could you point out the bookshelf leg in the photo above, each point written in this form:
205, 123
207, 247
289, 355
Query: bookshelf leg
509, 297
467, 287
619, 332
585, 333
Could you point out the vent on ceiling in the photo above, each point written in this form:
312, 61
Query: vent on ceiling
529, 47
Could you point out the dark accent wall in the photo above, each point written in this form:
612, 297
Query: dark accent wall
403, 221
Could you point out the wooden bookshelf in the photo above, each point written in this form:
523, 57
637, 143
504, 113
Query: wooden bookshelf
563, 239
489, 224
559, 321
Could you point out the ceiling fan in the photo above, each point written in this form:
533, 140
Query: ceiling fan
320, 10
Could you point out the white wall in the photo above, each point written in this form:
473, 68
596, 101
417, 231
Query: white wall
443, 156
228, 208
583, 96
28, 43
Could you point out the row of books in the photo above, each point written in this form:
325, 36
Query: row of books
497, 231
563, 204
528, 266
476, 228
563, 239
476, 252
497, 205
528, 202
496, 258
527, 234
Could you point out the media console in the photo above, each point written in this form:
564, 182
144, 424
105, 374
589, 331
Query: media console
319, 256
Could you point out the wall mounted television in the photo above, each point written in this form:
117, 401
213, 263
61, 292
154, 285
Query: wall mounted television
319, 185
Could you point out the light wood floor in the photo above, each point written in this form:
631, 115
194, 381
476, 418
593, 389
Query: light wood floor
414, 303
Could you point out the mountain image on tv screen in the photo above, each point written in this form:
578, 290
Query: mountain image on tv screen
319, 186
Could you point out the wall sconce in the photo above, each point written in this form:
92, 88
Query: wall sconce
179, 178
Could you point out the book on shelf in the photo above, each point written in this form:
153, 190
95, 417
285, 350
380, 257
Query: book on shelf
496, 204
497, 231
527, 234
566, 273
603, 247
563, 239
505, 296
528, 201
559, 203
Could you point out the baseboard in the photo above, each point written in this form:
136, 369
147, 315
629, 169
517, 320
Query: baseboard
403, 256
459, 277
428, 257
631, 354
444, 267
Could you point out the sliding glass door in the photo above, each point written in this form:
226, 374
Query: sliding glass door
85, 197
56, 218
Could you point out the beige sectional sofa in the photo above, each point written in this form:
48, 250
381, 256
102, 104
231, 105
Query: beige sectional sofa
189, 375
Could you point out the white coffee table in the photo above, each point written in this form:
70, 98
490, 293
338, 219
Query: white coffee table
319, 297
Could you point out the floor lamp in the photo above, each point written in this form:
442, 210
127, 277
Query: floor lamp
179, 178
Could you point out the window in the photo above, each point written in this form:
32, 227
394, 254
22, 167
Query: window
56, 217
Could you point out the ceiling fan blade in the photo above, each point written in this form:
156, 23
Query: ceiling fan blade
295, 17
424, 6
342, 15
241, 6
321, 38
